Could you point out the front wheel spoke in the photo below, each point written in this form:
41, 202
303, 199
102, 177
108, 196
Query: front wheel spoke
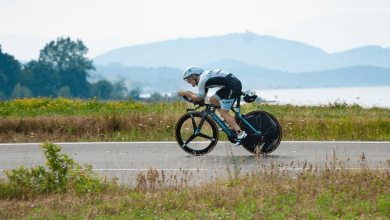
194, 124
190, 139
205, 136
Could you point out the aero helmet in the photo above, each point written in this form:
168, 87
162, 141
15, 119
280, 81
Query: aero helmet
191, 70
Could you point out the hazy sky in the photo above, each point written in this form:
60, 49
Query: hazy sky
27, 25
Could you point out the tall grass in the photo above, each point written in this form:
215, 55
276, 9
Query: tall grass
269, 191
37, 120
30, 107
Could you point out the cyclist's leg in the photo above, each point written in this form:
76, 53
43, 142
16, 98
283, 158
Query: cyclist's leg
224, 98
216, 98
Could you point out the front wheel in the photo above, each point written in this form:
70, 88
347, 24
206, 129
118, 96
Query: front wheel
192, 142
269, 127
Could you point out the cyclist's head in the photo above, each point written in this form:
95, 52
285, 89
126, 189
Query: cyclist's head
190, 72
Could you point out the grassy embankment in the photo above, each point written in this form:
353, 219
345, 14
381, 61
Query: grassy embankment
61, 120
65, 190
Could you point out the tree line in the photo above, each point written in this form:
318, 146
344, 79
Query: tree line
60, 71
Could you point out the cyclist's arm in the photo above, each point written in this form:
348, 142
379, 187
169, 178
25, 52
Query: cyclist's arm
192, 93
193, 96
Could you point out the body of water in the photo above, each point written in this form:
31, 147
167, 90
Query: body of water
367, 97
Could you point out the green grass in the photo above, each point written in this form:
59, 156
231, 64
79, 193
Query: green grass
21, 108
94, 120
263, 193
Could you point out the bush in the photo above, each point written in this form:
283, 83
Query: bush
61, 174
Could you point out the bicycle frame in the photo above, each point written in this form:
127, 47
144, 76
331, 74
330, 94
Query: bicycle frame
210, 110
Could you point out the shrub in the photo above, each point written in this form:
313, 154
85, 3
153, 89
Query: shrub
60, 175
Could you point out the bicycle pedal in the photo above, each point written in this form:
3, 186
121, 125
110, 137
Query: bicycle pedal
244, 135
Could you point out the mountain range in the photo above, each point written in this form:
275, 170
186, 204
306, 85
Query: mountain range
260, 62
167, 79
265, 51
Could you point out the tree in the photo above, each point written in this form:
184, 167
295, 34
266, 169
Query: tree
64, 92
135, 94
68, 59
9, 70
175, 97
103, 89
120, 89
21, 92
155, 97
2, 96
40, 78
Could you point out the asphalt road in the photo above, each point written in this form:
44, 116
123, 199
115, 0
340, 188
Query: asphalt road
126, 160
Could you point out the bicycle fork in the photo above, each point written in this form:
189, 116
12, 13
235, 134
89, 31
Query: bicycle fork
197, 129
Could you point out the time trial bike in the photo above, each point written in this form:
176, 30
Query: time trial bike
197, 132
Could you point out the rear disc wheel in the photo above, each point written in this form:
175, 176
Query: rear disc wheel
271, 132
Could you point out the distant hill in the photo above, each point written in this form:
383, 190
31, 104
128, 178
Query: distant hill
228, 64
265, 51
163, 79
355, 76
166, 79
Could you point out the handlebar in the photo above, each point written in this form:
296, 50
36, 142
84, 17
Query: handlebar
200, 103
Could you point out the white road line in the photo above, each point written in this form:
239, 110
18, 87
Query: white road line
147, 169
339, 142
20, 144
174, 142
94, 143
88, 143
145, 142
300, 169
280, 169
139, 170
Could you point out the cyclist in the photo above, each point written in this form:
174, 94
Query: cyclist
229, 92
